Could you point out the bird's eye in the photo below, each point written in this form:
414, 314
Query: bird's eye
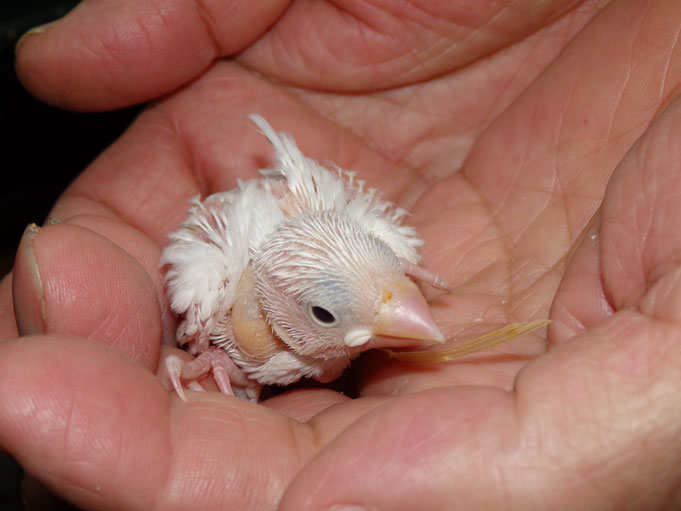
322, 316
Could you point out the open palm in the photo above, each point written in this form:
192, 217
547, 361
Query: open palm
536, 148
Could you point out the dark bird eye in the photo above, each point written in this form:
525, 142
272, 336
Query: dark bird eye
323, 316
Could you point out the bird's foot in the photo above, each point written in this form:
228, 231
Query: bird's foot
225, 372
419, 273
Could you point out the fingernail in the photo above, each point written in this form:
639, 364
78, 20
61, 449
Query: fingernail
34, 31
27, 288
352, 507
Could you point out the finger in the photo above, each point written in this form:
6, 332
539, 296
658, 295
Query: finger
636, 241
580, 300
69, 280
640, 240
107, 54
133, 242
104, 433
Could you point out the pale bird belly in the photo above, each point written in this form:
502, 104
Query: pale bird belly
252, 333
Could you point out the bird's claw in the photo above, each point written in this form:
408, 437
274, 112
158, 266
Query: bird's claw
214, 359
174, 369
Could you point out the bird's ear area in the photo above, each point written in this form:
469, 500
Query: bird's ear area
68, 279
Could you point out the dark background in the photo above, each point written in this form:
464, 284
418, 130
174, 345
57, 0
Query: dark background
43, 149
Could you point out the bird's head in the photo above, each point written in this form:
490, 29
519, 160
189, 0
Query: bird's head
330, 289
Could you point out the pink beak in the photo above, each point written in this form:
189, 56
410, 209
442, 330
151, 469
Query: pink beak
403, 317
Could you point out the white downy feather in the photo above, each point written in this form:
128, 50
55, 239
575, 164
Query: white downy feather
317, 188
213, 247
210, 251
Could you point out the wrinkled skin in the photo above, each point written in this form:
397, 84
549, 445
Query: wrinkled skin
537, 146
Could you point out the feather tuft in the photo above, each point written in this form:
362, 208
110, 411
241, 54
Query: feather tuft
488, 340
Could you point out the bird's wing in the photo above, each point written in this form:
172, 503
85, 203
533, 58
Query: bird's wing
313, 187
209, 252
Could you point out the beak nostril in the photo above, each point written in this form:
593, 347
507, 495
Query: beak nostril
404, 317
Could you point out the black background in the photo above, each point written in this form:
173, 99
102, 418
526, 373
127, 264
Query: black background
43, 148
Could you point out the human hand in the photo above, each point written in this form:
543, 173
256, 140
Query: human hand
585, 418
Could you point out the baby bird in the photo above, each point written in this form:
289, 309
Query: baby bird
292, 275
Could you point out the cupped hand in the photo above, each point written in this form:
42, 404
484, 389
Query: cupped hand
536, 147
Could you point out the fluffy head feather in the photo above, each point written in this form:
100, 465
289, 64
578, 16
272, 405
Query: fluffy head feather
318, 277
313, 187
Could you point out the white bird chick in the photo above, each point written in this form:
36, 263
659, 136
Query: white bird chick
292, 275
